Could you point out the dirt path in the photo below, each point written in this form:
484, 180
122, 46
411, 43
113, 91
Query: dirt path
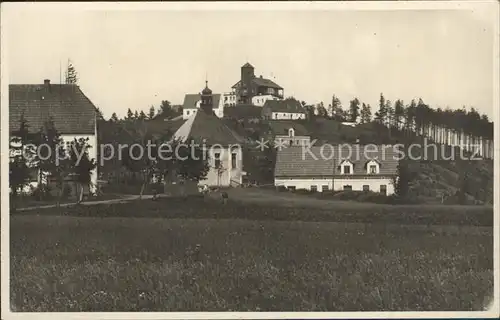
89, 203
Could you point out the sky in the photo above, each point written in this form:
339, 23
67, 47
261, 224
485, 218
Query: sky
136, 58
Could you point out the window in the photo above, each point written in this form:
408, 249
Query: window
366, 187
324, 187
291, 132
383, 189
291, 142
314, 188
372, 169
347, 188
347, 169
233, 160
187, 112
291, 188
217, 160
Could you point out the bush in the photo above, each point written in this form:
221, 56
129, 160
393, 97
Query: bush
347, 195
281, 188
66, 191
42, 192
304, 191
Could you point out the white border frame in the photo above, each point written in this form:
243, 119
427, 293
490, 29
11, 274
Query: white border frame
231, 6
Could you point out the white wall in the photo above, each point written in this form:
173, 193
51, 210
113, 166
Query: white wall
285, 140
304, 183
336, 184
259, 101
93, 143
229, 175
357, 184
186, 113
287, 116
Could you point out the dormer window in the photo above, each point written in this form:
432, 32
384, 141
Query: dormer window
291, 132
372, 167
346, 167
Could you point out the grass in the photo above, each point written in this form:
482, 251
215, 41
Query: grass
166, 261
128, 264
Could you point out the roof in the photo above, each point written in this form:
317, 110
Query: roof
208, 128
292, 162
263, 82
291, 106
247, 65
241, 111
71, 111
280, 127
325, 160
190, 100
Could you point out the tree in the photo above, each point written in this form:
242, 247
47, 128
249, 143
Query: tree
192, 163
71, 74
21, 155
81, 165
398, 113
381, 114
336, 109
114, 117
152, 113
366, 113
99, 114
321, 111
53, 161
403, 180
136, 115
130, 114
142, 115
354, 110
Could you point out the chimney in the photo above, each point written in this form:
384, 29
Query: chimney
46, 84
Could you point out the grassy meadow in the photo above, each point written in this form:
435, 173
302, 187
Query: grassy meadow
191, 255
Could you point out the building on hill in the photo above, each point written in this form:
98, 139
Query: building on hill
341, 167
288, 133
74, 115
192, 103
250, 89
283, 110
224, 145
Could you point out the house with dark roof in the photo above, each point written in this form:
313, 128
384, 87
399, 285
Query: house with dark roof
337, 167
223, 144
288, 133
288, 109
251, 89
73, 113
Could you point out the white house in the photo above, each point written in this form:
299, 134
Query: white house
260, 100
324, 168
224, 145
289, 133
192, 103
73, 114
283, 110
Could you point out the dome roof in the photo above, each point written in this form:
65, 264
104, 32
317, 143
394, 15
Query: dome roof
207, 90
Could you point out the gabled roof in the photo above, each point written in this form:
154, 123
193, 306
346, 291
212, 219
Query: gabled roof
291, 106
294, 163
71, 111
190, 100
297, 161
263, 82
281, 127
208, 128
247, 65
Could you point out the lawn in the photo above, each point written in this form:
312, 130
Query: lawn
164, 260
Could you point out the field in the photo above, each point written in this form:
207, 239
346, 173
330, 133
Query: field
178, 255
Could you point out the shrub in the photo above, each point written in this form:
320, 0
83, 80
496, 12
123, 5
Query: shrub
66, 191
42, 192
281, 188
304, 191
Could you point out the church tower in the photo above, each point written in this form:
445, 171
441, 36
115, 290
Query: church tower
206, 103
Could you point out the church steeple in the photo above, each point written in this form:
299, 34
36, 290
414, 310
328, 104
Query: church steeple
206, 99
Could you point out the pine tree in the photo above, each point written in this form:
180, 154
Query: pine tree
354, 110
71, 74
136, 115
99, 114
381, 114
336, 111
366, 113
151, 114
114, 117
130, 114
398, 113
321, 111
21, 158
142, 115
